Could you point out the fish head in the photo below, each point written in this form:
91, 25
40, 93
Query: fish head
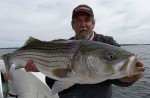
114, 60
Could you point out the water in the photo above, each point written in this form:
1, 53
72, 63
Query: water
141, 88
6, 50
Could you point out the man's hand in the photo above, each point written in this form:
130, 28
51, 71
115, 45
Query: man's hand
134, 77
30, 67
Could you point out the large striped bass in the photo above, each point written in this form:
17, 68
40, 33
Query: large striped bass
75, 61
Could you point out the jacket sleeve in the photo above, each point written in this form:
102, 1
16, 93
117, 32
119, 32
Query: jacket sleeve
106, 39
112, 41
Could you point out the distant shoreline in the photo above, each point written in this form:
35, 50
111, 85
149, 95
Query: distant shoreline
10, 48
132, 44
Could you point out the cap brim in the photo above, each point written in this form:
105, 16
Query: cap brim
75, 14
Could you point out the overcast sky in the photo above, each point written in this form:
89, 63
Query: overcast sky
128, 21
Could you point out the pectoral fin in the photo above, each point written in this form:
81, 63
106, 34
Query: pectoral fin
60, 86
62, 73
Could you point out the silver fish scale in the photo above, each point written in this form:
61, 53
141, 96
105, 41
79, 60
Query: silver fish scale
58, 56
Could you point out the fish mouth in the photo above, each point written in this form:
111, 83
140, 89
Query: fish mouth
128, 64
131, 65
133, 60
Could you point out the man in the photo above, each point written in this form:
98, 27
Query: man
83, 23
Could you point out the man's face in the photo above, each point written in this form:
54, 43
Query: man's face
83, 26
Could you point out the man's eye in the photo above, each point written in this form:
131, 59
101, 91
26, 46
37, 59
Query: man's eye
87, 20
77, 20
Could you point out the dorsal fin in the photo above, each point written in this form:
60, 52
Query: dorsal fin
31, 40
58, 40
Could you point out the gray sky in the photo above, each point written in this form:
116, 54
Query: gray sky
128, 21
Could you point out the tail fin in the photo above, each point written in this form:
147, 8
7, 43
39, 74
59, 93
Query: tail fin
6, 59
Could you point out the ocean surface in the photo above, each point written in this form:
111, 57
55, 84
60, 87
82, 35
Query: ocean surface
141, 88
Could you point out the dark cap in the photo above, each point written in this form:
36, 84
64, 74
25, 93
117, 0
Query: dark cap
83, 8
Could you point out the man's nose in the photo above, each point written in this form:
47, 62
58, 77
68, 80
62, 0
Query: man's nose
83, 24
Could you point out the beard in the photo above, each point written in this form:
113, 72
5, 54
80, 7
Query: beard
83, 35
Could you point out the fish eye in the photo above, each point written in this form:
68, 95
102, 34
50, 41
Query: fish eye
110, 56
